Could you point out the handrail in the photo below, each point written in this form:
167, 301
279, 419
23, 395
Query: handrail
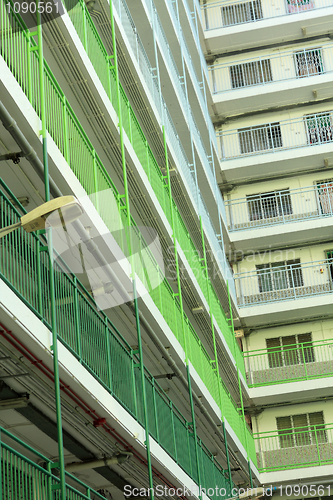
300, 429
313, 129
286, 282
306, 62
46, 474
288, 347
289, 363
164, 299
307, 446
105, 354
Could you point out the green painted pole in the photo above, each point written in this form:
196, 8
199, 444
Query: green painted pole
215, 352
54, 347
129, 237
240, 391
180, 298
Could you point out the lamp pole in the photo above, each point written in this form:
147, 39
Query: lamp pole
54, 347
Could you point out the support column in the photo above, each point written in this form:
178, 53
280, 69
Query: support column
216, 369
61, 486
133, 275
240, 392
180, 299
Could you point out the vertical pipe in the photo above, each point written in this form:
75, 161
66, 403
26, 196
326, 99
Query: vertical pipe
167, 177
54, 346
240, 392
136, 308
215, 353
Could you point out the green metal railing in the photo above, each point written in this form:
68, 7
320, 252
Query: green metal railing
294, 448
97, 53
290, 363
97, 344
25, 478
18, 50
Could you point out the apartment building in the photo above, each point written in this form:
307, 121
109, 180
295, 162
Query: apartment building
120, 368
270, 70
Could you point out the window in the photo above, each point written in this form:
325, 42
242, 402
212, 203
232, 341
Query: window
325, 194
294, 6
279, 275
261, 138
252, 73
330, 263
290, 350
309, 62
241, 12
301, 430
319, 128
268, 205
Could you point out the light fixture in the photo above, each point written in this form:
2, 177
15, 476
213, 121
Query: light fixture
93, 464
9, 404
42, 216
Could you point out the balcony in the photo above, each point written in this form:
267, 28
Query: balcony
271, 80
235, 25
280, 207
295, 448
289, 363
279, 146
106, 354
291, 281
32, 477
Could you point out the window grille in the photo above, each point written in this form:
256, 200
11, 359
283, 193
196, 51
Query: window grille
252, 73
301, 430
325, 194
241, 12
269, 205
279, 275
319, 128
294, 6
265, 137
290, 350
309, 62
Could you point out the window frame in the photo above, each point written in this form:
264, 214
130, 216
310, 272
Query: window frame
266, 274
291, 438
259, 210
284, 354
250, 11
319, 133
250, 74
269, 134
307, 54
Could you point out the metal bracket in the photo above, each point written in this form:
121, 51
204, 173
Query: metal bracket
15, 157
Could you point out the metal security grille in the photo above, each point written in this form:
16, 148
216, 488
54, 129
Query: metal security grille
290, 350
251, 73
295, 6
309, 62
301, 430
325, 195
253, 139
269, 205
279, 275
319, 128
241, 13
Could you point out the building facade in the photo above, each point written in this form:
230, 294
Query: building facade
121, 372
270, 75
